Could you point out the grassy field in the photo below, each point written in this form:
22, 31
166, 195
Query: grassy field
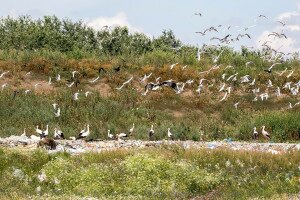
169, 172
189, 115
49, 46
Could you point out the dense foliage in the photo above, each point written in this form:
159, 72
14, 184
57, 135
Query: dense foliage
53, 34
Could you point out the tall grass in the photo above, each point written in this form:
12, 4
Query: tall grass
166, 173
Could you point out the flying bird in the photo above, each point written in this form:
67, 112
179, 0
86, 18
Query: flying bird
94, 80
126, 82
71, 84
73, 73
224, 97
269, 70
57, 113
3, 73
282, 23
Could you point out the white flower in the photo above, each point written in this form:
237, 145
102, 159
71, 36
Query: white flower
240, 163
38, 189
42, 177
18, 173
56, 181
228, 163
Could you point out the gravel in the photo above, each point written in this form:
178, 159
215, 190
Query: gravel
81, 146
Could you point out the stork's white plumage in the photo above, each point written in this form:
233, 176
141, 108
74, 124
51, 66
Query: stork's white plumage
94, 80
270, 83
126, 82
109, 135
290, 74
121, 135
151, 132
2, 74
71, 84
278, 93
255, 133
58, 134
84, 133
4, 86
24, 133
87, 93
45, 132
57, 113
236, 105
245, 79
173, 65
265, 133
170, 135
37, 84
54, 106
73, 73
224, 97
253, 82
75, 97
28, 73
222, 87
132, 129
38, 131
58, 77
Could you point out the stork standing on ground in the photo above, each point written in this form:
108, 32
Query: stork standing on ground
24, 133
109, 135
58, 134
45, 132
255, 133
265, 133
38, 131
170, 135
58, 77
121, 135
84, 133
75, 97
151, 133
131, 130
54, 106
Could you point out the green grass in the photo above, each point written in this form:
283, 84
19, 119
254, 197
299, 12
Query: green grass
169, 172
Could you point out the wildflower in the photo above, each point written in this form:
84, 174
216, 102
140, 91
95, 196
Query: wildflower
228, 163
42, 177
18, 173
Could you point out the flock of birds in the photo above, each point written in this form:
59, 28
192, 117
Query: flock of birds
241, 33
84, 133
227, 86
